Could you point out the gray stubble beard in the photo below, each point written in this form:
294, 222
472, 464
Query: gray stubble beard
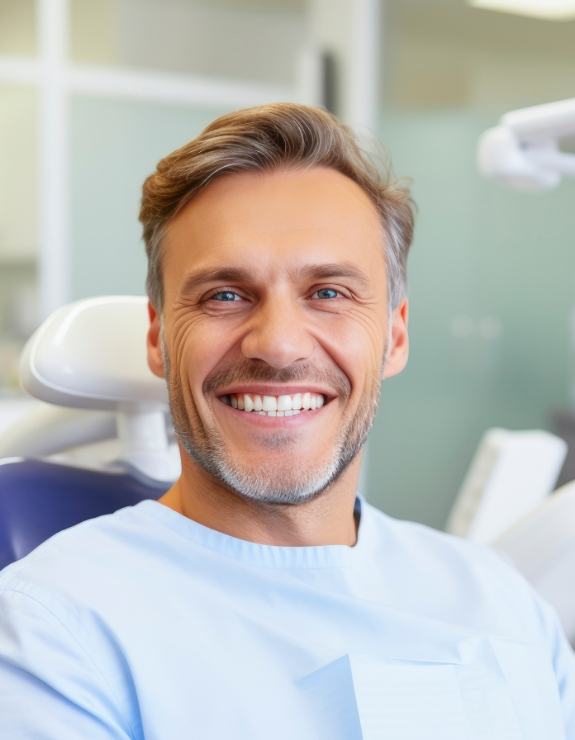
207, 448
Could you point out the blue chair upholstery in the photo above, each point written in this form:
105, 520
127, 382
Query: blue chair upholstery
39, 499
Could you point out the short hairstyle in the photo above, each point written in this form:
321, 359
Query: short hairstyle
267, 138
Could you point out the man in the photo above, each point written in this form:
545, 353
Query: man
261, 597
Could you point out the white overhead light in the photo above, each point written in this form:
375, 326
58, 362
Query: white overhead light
550, 9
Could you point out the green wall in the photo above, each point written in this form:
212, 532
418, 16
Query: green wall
480, 251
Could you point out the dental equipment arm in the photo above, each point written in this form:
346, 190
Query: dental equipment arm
524, 149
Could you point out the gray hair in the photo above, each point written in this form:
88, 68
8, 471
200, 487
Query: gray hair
267, 138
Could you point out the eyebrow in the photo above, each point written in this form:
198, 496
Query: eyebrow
326, 271
223, 274
323, 271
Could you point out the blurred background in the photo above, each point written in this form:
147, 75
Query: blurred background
92, 94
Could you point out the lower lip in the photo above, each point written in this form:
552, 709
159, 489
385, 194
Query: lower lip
271, 422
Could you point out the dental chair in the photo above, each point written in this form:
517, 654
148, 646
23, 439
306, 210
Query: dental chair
99, 438
507, 502
541, 545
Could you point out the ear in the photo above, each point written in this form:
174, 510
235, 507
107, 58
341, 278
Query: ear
398, 350
153, 343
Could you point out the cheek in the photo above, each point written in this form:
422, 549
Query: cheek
197, 347
358, 345
187, 359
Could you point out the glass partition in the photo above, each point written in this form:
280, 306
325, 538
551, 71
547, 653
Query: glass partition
114, 146
18, 28
223, 38
18, 227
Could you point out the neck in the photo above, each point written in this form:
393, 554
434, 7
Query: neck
326, 520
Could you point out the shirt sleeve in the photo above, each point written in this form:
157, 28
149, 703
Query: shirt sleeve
50, 689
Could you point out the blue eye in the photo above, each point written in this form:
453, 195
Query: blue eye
225, 296
327, 293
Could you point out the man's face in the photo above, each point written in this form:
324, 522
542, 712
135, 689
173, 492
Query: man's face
276, 332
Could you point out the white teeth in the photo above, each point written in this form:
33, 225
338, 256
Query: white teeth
283, 405
269, 403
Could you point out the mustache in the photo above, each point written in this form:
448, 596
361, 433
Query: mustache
246, 372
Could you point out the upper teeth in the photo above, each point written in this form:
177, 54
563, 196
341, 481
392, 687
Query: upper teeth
254, 402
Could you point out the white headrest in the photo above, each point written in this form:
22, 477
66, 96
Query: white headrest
542, 546
91, 354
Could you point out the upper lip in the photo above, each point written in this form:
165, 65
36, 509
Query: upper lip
275, 390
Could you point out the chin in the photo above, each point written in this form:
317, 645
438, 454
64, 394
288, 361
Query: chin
281, 487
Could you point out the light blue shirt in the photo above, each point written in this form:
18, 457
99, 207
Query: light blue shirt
145, 624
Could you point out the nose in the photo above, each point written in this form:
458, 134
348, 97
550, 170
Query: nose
278, 334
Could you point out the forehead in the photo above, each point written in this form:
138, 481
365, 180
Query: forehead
276, 219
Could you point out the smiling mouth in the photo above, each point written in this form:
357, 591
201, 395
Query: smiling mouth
285, 405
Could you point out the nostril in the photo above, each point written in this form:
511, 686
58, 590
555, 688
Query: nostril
278, 343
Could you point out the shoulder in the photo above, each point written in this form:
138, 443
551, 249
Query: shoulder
57, 652
81, 559
456, 580
418, 540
